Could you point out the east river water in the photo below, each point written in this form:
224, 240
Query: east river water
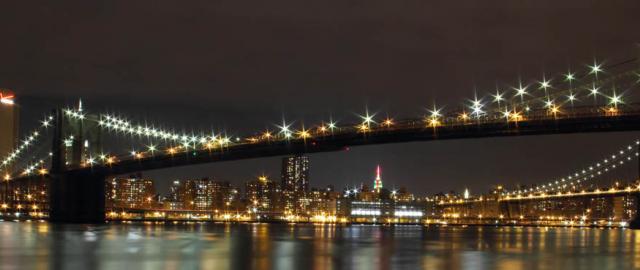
41, 245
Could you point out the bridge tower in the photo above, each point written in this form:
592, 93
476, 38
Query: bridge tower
75, 196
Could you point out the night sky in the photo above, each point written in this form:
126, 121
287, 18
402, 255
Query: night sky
244, 65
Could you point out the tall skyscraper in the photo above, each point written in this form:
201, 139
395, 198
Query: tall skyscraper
295, 173
8, 124
295, 183
377, 184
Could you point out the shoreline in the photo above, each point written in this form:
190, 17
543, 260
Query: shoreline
345, 224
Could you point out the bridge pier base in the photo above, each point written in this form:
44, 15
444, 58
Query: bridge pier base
77, 198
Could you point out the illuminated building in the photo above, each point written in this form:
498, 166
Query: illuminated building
402, 195
176, 198
295, 183
263, 197
202, 194
8, 137
322, 202
130, 192
26, 195
377, 183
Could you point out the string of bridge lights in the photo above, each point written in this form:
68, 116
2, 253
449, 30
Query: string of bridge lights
187, 141
477, 106
605, 165
26, 143
478, 109
37, 167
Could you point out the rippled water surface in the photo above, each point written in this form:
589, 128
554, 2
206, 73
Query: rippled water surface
39, 245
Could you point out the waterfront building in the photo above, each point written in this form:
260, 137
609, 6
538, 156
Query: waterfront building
402, 195
202, 194
130, 192
322, 202
263, 197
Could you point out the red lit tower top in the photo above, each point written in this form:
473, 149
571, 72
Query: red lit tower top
377, 184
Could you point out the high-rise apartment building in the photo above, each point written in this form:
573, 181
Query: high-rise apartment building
130, 192
295, 183
295, 173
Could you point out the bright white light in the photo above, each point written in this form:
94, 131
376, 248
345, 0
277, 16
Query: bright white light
569, 76
7, 101
544, 84
435, 113
594, 90
615, 99
506, 113
596, 68
521, 91
548, 103
407, 213
367, 119
284, 128
476, 107
497, 97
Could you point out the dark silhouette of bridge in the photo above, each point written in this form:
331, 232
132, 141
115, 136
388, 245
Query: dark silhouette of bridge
77, 193
77, 178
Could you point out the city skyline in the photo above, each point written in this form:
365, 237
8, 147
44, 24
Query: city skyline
404, 172
225, 134
395, 60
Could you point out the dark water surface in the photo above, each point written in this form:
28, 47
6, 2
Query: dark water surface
40, 245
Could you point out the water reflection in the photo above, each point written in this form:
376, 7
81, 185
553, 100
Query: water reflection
39, 245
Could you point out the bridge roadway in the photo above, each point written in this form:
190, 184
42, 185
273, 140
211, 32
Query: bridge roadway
401, 133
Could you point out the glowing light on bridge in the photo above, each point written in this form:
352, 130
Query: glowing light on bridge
284, 130
615, 99
594, 91
569, 76
528, 107
595, 68
387, 122
26, 143
476, 107
610, 162
304, 134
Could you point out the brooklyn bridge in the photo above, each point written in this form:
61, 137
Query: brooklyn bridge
71, 148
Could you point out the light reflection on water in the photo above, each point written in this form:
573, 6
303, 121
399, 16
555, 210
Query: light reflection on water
39, 245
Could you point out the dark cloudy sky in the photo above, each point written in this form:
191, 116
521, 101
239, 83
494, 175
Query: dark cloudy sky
241, 65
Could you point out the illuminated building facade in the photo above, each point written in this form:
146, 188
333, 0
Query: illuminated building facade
402, 195
130, 192
8, 125
263, 197
295, 183
202, 194
322, 202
